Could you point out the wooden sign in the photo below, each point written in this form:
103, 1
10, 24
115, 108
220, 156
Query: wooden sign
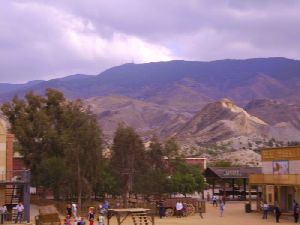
283, 153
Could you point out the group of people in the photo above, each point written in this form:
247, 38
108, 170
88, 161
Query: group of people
19, 209
219, 202
180, 209
71, 211
266, 208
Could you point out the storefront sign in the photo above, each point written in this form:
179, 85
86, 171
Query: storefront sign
289, 153
232, 173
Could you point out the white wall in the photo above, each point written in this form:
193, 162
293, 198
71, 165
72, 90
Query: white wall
294, 167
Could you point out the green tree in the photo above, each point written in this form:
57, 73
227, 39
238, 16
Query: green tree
171, 148
82, 147
50, 129
107, 181
51, 174
155, 154
128, 157
184, 178
35, 132
154, 177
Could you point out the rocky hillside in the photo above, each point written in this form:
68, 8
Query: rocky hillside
220, 130
275, 112
219, 121
147, 118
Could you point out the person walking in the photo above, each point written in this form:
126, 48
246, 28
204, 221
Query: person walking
265, 209
215, 200
200, 211
277, 212
296, 210
20, 210
222, 208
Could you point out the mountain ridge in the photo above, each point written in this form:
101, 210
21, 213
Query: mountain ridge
211, 80
181, 99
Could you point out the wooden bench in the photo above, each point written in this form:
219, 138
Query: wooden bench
286, 215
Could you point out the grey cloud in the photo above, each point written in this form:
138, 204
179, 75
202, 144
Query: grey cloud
35, 41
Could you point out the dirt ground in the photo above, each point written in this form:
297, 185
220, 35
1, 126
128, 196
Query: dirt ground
234, 214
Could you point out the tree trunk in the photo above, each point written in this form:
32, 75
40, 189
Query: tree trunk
79, 185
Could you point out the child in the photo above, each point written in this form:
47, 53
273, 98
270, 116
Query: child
68, 220
101, 219
81, 222
222, 206
77, 220
91, 215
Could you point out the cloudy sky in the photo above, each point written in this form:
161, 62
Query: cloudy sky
45, 39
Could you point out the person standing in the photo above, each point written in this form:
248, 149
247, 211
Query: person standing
91, 216
222, 207
224, 199
179, 209
161, 209
265, 209
215, 200
277, 212
296, 210
200, 211
68, 220
101, 219
105, 207
74, 210
1, 215
208, 197
69, 210
20, 210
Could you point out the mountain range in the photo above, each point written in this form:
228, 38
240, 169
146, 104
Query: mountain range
221, 103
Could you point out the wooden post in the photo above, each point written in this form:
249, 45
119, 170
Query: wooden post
244, 188
224, 189
118, 218
232, 183
152, 217
249, 193
26, 195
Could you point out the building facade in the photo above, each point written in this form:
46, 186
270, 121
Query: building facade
14, 184
6, 159
280, 177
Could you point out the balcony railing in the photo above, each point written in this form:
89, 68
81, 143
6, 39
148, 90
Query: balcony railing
15, 176
279, 179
